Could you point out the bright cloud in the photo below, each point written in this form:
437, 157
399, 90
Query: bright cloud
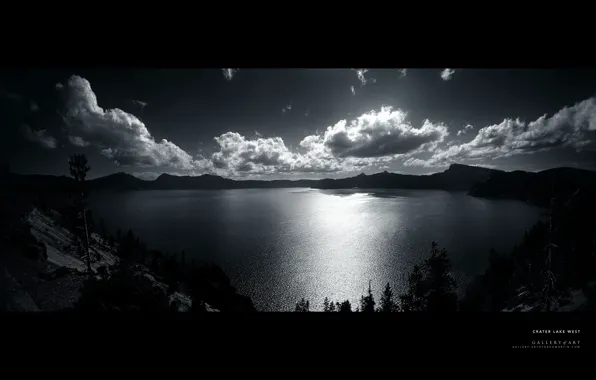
229, 73
361, 74
571, 127
117, 134
447, 74
465, 130
374, 138
381, 133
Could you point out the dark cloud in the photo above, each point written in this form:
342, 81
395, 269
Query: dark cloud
140, 103
78, 141
33, 106
11, 95
39, 136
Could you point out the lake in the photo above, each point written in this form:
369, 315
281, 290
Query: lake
279, 245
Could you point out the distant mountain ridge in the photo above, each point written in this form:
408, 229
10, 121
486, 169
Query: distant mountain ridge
478, 181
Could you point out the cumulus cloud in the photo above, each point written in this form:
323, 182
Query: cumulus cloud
374, 138
229, 73
59, 86
140, 103
380, 133
403, 72
465, 130
353, 90
240, 156
571, 127
39, 136
287, 107
447, 74
78, 141
117, 134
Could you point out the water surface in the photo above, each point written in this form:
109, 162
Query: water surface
278, 245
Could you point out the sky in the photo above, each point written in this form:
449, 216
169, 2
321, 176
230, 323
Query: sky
296, 123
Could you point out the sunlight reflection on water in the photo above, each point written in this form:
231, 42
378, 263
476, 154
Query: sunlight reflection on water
279, 245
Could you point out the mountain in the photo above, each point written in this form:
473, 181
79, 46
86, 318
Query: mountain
456, 178
536, 188
119, 182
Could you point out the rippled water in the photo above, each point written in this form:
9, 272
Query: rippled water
278, 245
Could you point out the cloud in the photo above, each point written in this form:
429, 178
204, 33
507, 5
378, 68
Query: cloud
59, 86
381, 133
353, 90
241, 156
571, 127
33, 106
361, 74
39, 136
447, 74
140, 103
78, 141
11, 95
287, 107
374, 138
229, 73
402, 72
307, 113
119, 135
465, 130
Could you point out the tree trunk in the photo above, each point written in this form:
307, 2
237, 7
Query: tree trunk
87, 240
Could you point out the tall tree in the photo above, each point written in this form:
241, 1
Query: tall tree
367, 304
302, 306
78, 170
431, 287
388, 305
344, 307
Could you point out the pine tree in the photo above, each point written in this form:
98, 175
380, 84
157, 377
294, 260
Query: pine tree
344, 307
387, 303
302, 306
332, 307
326, 305
431, 287
367, 304
78, 170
